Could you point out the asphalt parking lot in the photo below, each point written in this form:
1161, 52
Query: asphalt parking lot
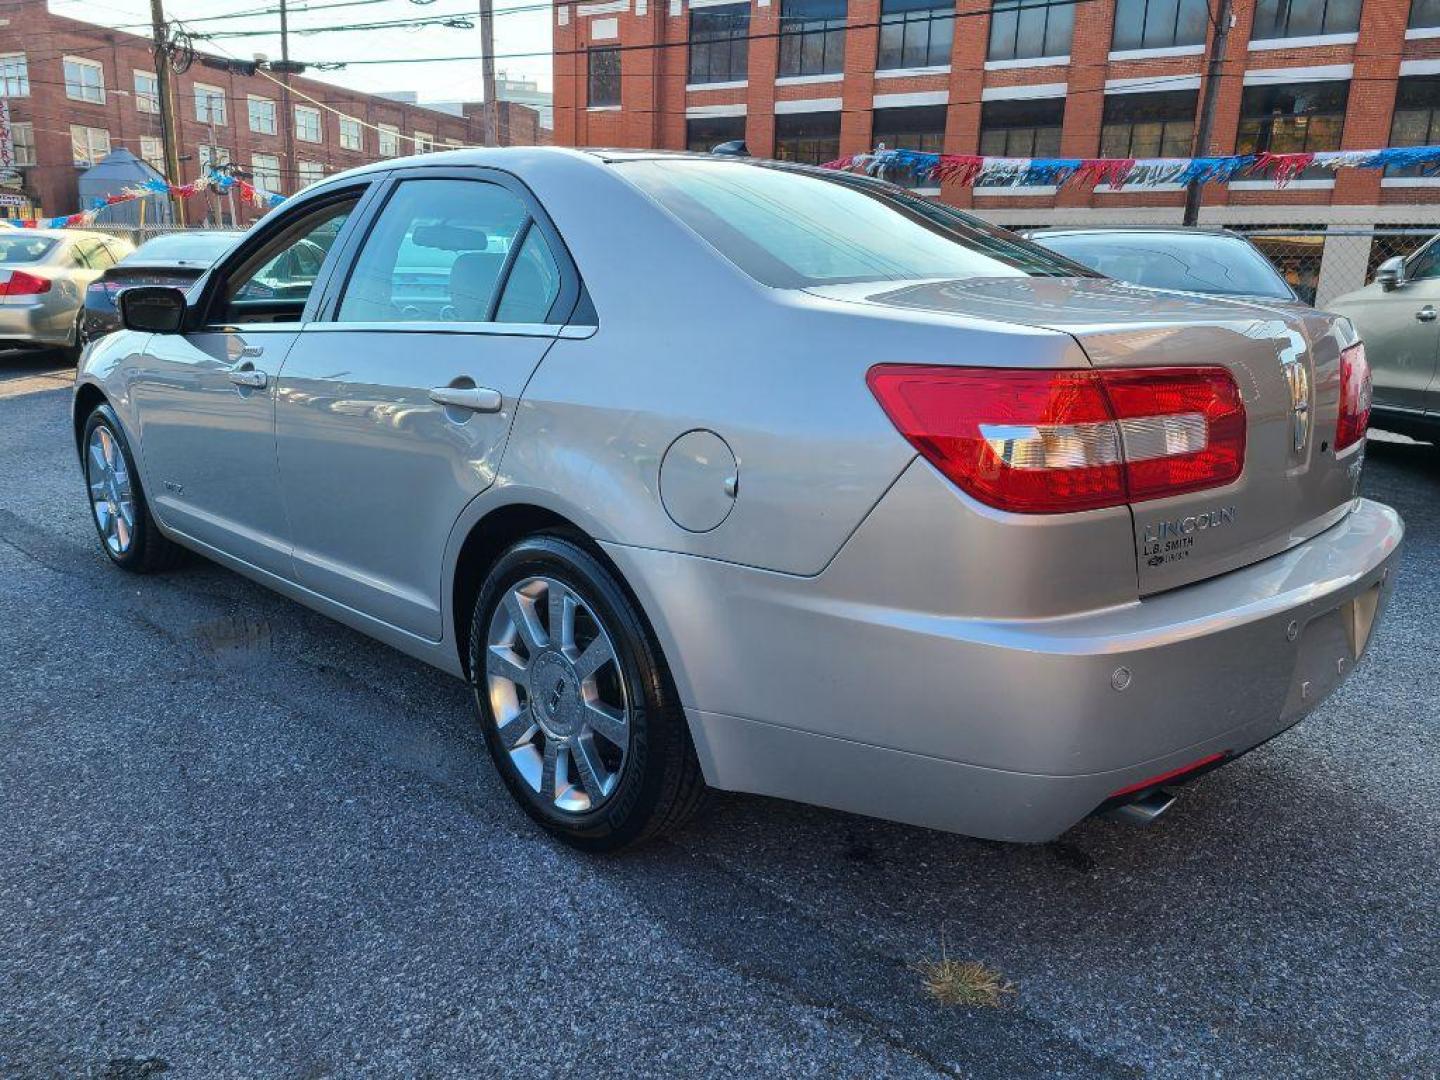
239, 840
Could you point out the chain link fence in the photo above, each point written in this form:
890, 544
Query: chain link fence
1321, 263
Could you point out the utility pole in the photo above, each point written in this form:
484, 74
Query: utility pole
487, 72
292, 169
1207, 108
167, 105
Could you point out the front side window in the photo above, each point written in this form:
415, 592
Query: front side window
602, 78
812, 37
1160, 24
14, 75
915, 33
147, 92
1304, 18
916, 127
1293, 119
209, 104
265, 168
261, 114
1022, 129
307, 124
84, 80
1149, 125
88, 145
1029, 29
23, 136
273, 284
720, 44
1416, 121
438, 253
351, 136
807, 138
704, 133
792, 230
389, 140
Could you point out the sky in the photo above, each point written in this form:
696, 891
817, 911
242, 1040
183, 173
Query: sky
522, 31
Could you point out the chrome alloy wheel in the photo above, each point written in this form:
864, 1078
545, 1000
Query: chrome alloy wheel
111, 497
557, 695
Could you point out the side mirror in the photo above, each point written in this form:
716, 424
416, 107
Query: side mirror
1391, 273
155, 309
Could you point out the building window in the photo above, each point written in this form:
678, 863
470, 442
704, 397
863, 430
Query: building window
1304, 18
812, 37
1293, 119
307, 124
1160, 24
152, 152
84, 80
918, 127
704, 133
310, 172
424, 142
265, 171
389, 140
1423, 13
720, 44
1417, 118
809, 138
88, 145
602, 78
351, 137
915, 33
147, 92
261, 114
14, 75
209, 104
1021, 129
23, 136
1149, 125
213, 157
1028, 29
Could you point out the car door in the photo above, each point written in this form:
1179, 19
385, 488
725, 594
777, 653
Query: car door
394, 407
206, 397
1401, 330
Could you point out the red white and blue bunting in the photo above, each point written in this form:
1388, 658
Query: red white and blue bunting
213, 181
970, 170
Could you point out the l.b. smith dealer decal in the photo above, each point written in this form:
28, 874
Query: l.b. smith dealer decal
1171, 541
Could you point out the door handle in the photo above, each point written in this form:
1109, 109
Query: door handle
248, 376
474, 398
1426, 314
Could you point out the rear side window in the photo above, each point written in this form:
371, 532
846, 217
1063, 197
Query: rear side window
439, 252
791, 229
534, 282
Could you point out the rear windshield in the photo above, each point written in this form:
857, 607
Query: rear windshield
1220, 265
24, 249
198, 247
792, 230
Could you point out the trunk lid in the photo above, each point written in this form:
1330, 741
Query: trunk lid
1284, 357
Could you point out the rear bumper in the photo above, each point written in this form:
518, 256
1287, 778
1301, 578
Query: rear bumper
38, 323
1011, 729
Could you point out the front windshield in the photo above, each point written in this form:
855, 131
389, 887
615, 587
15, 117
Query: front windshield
1187, 262
791, 229
24, 249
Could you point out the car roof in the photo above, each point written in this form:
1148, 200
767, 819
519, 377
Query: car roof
1133, 230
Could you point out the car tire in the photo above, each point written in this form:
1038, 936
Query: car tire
550, 722
118, 508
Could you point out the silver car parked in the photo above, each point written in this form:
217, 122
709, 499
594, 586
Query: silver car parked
731, 473
43, 277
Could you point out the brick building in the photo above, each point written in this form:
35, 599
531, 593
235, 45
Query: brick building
76, 90
811, 80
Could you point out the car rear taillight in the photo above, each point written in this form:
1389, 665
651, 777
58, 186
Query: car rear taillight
1355, 391
1044, 442
23, 284
111, 289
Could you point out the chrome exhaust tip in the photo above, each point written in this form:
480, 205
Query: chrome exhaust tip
1144, 810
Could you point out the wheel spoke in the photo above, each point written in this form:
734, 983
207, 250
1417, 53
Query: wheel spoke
98, 491
562, 615
548, 774
122, 532
516, 731
107, 446
607, 722
592, 772
596, 655
522, 613
501, 661
97, 455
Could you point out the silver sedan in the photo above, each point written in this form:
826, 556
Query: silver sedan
43, 277
713, 472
